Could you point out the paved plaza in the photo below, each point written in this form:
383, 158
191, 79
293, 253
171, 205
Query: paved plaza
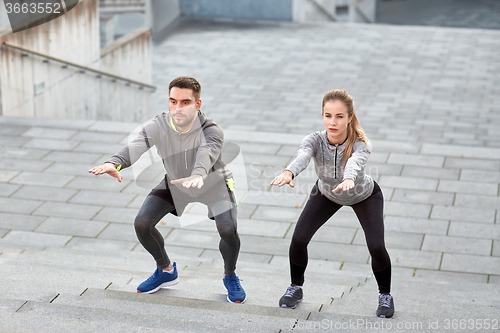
427, 97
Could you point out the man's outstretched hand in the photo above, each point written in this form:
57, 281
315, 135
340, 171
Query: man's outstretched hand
108, 168
191, 181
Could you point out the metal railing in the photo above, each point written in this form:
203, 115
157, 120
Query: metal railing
83, 69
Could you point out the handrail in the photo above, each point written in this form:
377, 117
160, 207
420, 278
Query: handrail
331, 16
84, 68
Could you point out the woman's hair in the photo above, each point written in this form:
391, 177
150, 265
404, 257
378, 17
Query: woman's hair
354, 130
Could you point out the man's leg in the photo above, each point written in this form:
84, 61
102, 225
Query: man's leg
225, 214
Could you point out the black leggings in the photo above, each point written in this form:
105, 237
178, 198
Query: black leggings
155, 208
318, 210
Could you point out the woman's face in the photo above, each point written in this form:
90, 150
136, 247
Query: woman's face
336, 119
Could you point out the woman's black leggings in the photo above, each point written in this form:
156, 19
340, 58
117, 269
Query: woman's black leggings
155, 208
318, 210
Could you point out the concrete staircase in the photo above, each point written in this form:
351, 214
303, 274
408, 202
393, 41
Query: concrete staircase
61, 290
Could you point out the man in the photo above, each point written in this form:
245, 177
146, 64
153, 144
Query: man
190, 147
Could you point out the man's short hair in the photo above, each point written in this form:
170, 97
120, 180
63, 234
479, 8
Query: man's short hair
186, 82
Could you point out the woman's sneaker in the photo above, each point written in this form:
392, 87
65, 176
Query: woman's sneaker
235, 292
157, 280
292, 297
385, 306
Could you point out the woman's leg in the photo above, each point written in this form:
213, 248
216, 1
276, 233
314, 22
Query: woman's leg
370, 213
152, 211
317, 211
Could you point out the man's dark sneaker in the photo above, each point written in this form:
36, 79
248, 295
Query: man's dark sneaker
235, 292
385, 306
292, 297
158, 280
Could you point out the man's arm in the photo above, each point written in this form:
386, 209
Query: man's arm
108, 168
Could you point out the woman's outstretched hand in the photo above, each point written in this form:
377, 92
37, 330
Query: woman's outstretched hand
283, 179
108, 168
346, 185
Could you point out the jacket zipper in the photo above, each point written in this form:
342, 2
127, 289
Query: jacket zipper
185, 158
335, 162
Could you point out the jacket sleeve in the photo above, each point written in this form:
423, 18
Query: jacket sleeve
209, 151
360, 153
306, 150
129, 154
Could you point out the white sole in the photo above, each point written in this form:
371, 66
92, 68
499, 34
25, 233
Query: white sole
165, 284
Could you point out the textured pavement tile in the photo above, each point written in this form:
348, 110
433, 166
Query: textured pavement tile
376, 170
13, 130
479, 215
407, 209
23, 165
282, 264
276, 214
72, 227
112, 127
51, 144
393, 239
276, 197
472, 163
96, 183
12, 141
7, 189
6, 175
496, 248
115, 214
416, 225
462, 151
72, 157
414, 259
433, 198
451, 277
42, 179
103, 148
461, 245
120, 231
23, 153
471, 264
98, 137
395, 147
19, 221
67, 210
439, 173
44, 193
94, 244
103, 198
73, 169
475, 187
242, 257
262, 228
197, 239
257, 148
332, 234
474, 230
482, 175
27, 238
21, 206
416, 159
337, 252
412, 183
477, 201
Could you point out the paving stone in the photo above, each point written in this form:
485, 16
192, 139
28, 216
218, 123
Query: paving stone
51, 144
42, 179
464, 245
276, 197
71, 157
418, 225
439, 173
276, 213
496, 248
471, 264
123, 232
103, 148
97, 183
47, 122
409, 183
408, 210
6, 129
116, 214
13, 141
67, 210
98, 137
400, 240
6, 175
416, 159
73, 169
44, 193
477, 201
256, 148
467, 152
328, 233
468, 187
7, 189
483, 175
28, 239
338, 252
395, 147
19, 221
425, 197
103, 198
94, 244
112, 127
21, 206
196, 239
451, 277
246, 211
242, 257
23, 165
262, 228
466, 163
479, 215
474, 230
376, 170
23, 153
72, 227
414, 259
282, 264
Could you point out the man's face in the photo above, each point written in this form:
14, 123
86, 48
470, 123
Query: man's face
183, 108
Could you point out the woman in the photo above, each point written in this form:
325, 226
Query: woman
340, 153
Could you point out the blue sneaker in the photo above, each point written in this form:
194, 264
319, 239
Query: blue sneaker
235, 293
157, 280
